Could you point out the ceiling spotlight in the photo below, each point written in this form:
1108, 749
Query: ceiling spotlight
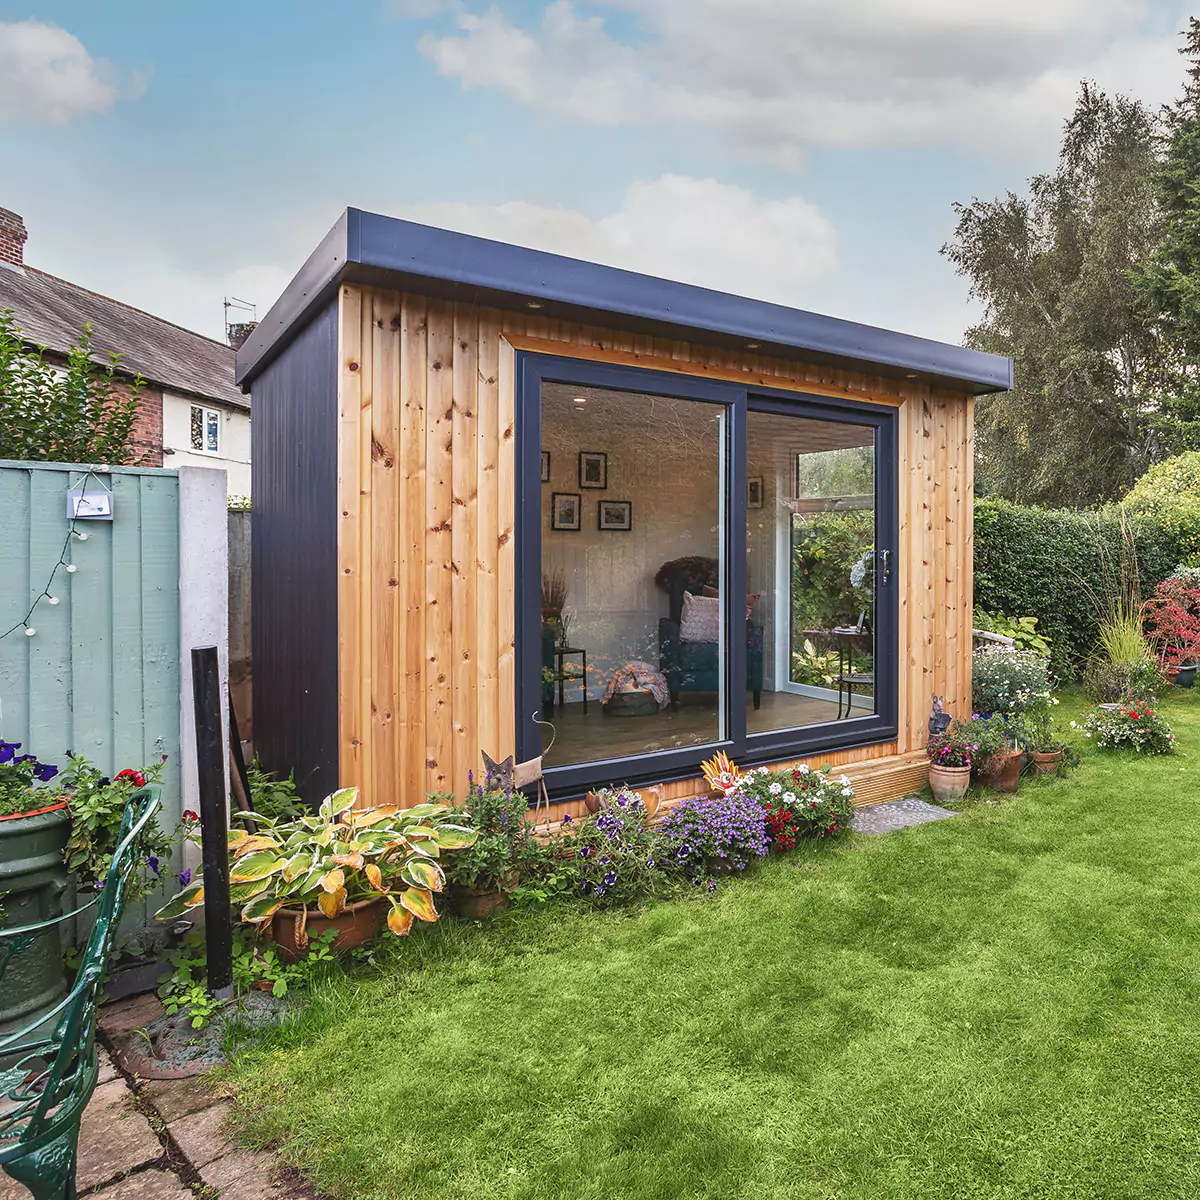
534, 304
753, 345
579, 400
910, 376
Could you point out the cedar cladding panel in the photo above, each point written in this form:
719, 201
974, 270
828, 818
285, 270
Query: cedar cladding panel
426, 549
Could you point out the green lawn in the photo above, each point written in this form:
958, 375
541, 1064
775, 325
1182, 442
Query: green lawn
1006, 1004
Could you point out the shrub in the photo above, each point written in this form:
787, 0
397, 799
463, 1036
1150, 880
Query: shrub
615, 851
1022, 630
801, 801
1141, 730
504, 843
723, 833
1038, 562
1107, 683
1173, 621
1009, 681
956, 747
1170, 491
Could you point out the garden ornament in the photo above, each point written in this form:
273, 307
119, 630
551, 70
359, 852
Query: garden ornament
939, 719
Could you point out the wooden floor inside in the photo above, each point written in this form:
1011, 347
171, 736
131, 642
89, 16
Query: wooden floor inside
595, 735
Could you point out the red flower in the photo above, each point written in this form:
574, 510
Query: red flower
134, 777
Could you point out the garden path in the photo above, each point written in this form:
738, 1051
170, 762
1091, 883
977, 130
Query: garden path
897, 814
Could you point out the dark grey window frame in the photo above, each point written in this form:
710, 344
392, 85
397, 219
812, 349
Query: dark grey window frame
532, 371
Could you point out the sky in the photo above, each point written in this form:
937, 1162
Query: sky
806, 152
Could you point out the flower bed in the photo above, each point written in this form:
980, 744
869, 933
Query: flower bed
1009, 681
805, 803
722, 833
1141, 730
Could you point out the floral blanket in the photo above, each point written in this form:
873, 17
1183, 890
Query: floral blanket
641, 675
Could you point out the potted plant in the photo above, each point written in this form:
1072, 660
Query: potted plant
34, 827
997, 761
1045, 744
714, 835
1173, 626
952, 754
485, 875
337, 870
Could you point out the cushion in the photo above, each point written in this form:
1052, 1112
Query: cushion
752, 598
701, 619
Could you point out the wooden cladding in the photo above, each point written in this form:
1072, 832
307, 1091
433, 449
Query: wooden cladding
426, 555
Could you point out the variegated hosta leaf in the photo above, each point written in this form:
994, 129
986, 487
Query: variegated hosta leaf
332, 903
256, 842
399, 920
419, 812
455, 837
338, 802
261, 909
296, 866
420, 833
323, 837
366, 817
239, 893
354, 860
180, 902
333, 880
419, 902
423, 873
374, 876
237, 837
256, 866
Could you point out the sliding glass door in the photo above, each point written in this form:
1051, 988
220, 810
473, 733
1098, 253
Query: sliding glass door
699, 568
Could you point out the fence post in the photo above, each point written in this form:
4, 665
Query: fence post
214, 819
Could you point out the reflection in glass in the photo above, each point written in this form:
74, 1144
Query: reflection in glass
197, 428
810, 568
633, 654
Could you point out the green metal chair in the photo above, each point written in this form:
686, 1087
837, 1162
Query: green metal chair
48, 1078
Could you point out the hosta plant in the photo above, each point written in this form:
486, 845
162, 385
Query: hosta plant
337, 857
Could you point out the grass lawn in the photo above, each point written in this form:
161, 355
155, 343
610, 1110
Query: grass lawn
1006, 1004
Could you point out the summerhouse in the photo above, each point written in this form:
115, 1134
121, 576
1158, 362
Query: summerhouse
511, 502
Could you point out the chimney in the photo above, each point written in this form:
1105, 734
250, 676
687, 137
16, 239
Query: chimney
12, 239
238, 332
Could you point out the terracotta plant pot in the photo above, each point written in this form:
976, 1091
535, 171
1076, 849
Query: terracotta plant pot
358, 923
1002, 772
948, 783
1047, 762
478, 903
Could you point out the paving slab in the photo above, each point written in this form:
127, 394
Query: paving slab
896, 815
122, 1018
175, 1098
146, 1185
114, 1138
108, 1072
231, 1168
199, 1134
257, 1185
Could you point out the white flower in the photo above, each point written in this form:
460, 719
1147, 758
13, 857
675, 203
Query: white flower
789, 797
847, 791
775, 788
803, 768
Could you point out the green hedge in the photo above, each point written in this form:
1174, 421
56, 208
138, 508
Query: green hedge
1030, 561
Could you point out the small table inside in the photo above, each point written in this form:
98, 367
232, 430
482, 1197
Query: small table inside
560, 674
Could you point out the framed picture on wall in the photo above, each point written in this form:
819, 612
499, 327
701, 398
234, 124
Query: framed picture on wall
565, 510
754, 491
545, 466
615, 516
593, 469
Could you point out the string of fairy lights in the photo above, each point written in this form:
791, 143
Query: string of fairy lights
64, 564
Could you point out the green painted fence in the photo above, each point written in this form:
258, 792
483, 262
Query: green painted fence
100, 675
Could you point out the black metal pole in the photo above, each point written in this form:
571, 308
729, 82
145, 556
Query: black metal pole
214, 818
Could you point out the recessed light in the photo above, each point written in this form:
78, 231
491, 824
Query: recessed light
753, 345
579, 400
533, 304
910, 377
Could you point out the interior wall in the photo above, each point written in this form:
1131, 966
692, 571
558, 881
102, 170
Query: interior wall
426, 608
663, 455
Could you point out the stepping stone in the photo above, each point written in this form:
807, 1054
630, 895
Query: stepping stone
897, 814
175, 1098
199, 1134
114, 1138
146, 1185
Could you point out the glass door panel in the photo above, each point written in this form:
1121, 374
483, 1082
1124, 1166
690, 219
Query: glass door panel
810, 571
634, 638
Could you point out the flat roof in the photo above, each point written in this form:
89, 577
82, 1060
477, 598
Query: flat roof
381, 251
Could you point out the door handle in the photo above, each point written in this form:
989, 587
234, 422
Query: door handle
885, 566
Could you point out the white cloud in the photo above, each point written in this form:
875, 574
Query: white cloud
48, 77
697, 231
777, 79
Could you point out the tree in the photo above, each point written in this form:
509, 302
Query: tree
1054, 273
1168, 283
80, 413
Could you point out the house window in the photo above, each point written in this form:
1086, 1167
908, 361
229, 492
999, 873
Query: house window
704, 568
206, 429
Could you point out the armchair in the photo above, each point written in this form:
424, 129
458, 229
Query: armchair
695, 666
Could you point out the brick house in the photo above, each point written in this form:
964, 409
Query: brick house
191, 413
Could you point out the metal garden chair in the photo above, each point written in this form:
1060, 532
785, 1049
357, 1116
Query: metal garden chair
47, 1078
